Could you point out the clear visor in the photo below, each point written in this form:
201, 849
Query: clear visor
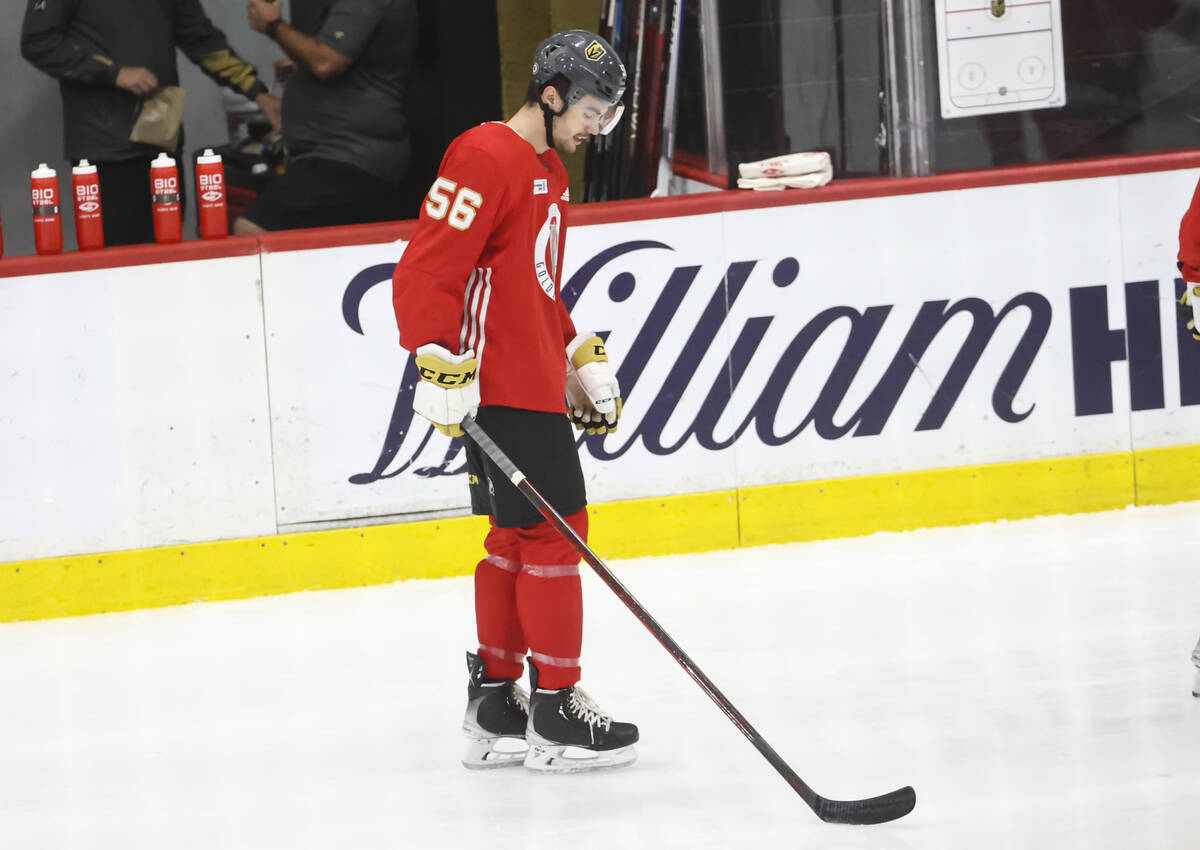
598, 116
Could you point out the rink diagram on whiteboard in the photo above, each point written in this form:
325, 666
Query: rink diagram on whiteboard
998, 56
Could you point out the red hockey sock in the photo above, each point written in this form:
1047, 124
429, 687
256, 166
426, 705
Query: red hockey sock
501, 641
550, 601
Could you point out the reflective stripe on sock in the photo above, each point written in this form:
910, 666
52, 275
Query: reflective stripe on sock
501, 640
550, 601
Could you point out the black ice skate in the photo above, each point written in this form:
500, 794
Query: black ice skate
568, 732
497, 713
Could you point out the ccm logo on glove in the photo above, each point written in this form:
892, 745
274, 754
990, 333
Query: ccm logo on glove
456, 378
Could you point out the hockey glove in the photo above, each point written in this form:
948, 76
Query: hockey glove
1187, 308
593, 396
447, 390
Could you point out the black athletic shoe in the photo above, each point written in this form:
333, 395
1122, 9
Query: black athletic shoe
495, 721
568, 732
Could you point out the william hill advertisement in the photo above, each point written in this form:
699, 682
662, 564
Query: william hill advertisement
795, 343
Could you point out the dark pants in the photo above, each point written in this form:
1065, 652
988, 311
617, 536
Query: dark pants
542, 445
323, 193
125, 199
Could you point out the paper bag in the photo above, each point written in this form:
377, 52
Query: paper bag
160, 118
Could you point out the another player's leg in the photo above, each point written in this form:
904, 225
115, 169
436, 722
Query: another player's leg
1196, 661
497, 707
567, 731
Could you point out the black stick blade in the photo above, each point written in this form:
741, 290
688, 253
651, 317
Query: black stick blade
873, 810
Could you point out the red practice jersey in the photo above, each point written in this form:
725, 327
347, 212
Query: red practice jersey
1189, 241
483, 269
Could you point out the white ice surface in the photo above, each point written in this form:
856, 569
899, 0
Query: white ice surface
1030, 679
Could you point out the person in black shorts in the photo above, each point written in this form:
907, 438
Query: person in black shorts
344, 124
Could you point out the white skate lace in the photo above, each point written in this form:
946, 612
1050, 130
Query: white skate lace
585, 708
520, 697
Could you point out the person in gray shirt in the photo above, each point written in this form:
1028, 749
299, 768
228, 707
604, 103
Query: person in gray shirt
345, 128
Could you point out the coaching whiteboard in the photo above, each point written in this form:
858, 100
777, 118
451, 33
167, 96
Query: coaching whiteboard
999, 56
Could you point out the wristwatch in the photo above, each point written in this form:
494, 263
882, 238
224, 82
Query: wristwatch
272, 27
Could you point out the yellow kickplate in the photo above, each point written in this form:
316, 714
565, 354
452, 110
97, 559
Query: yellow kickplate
848, 507
692, 522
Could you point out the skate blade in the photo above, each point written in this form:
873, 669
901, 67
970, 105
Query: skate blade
552, 758
491, 753
1196, 685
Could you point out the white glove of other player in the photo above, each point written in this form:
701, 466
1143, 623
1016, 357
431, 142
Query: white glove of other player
447, 390
1189, 309
593, 396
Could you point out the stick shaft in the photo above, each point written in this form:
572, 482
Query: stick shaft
606, 575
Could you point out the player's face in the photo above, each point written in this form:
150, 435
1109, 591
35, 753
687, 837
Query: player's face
583, 119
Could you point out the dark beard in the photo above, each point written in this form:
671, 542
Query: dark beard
564, 151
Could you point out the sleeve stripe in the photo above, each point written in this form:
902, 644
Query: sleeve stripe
475, 306
487, 297
466, 334
224, 64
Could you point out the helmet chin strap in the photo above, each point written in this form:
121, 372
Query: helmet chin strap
549, 115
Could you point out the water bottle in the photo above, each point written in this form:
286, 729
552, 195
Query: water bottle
47, 221
210, 196
164, 195
89, 222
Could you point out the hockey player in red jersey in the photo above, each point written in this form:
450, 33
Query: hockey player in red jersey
477, 301
1189, 268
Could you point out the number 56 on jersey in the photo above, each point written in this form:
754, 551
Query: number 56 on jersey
460, 203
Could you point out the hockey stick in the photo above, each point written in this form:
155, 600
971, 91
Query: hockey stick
881, 809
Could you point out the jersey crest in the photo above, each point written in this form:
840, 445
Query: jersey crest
545, 252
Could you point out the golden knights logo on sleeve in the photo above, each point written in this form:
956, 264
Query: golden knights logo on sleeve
595, 51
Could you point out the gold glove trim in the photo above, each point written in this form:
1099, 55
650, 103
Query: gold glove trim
591, 351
